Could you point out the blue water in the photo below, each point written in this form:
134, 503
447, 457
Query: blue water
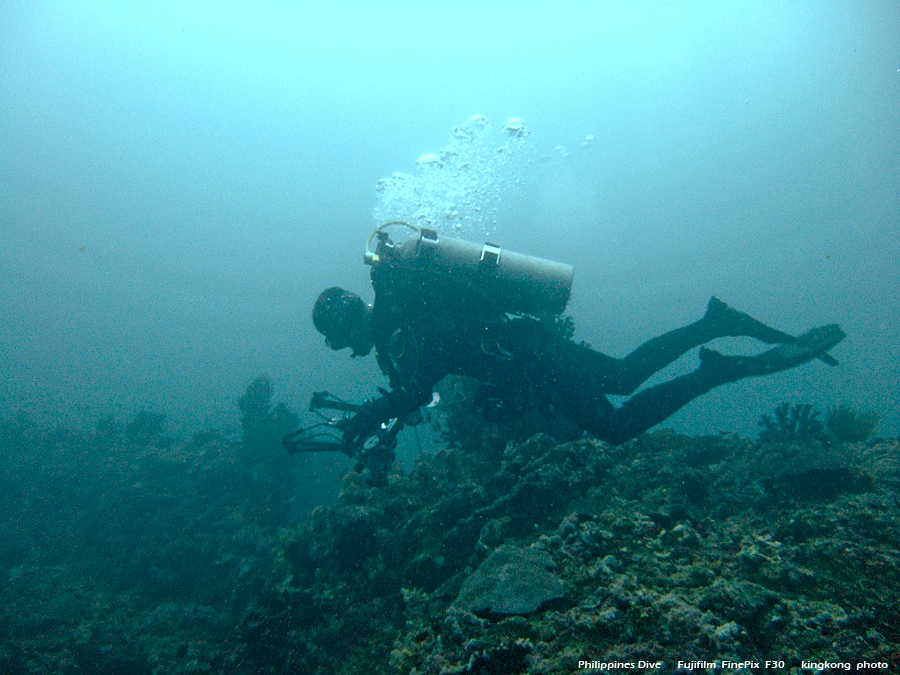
177, 184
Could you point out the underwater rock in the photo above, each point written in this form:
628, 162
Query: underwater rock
498, 661
512, 581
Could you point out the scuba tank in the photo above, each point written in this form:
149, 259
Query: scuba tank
515, 282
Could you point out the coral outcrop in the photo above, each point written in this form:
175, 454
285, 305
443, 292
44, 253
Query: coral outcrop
670, 548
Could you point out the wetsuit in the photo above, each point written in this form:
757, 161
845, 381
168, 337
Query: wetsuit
427, 327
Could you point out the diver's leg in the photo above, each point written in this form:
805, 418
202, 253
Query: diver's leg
653, 405
720, 320
646, 408
657, 353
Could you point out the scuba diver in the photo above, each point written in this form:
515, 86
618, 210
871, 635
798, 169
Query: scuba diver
445, 306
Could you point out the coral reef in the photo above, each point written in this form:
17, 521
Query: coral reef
126, 551
145, 429
119, 556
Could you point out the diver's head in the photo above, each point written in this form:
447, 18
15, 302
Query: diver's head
344, 319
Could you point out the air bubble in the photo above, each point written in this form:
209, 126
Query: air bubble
463, 185
515, 128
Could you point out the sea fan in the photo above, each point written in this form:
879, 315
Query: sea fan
799, 422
